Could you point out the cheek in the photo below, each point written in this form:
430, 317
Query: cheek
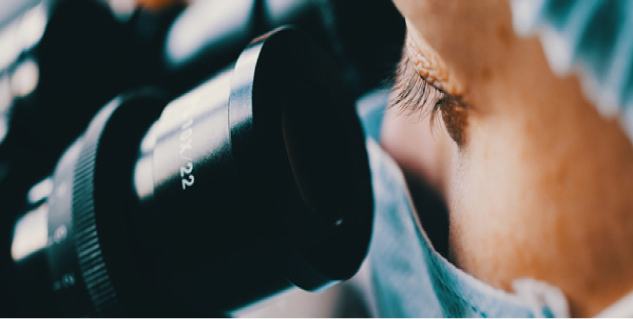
548, 198
421, 149
488, 186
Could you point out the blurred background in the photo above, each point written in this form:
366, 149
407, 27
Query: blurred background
62, 60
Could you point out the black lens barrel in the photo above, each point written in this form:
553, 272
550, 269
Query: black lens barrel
252, 183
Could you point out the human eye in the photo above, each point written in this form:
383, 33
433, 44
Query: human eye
419, 90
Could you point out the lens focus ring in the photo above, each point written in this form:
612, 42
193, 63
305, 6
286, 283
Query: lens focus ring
87, 242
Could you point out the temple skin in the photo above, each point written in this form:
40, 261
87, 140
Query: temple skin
543, 185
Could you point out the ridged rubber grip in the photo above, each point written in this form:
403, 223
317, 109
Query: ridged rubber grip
87, 242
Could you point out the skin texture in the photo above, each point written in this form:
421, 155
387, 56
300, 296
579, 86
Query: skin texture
542, 185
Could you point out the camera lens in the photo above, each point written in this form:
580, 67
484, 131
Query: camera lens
250, 184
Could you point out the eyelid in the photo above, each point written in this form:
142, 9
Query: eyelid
413, 94
429, 65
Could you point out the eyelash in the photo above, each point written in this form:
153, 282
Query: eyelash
414, 95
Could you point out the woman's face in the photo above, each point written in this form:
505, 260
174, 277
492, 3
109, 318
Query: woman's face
537, 183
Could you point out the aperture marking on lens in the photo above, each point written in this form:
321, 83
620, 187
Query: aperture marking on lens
60, 234
67, 281
186, 135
